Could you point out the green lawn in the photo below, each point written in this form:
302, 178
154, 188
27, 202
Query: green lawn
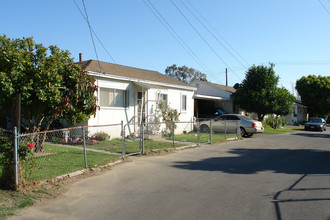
58, 160
283, 130
131, 145
204, 138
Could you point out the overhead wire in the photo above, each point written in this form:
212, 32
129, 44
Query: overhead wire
215, 37
302, 62
212, 27
177, 37
90, 30
199, 34
82, 14
325, 8
174, 33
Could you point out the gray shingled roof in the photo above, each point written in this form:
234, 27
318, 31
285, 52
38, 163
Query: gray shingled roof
226, 88
130, 72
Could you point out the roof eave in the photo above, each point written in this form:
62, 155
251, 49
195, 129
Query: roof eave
109, 76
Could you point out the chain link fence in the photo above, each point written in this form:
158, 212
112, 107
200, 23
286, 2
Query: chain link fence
208, 131
49, 154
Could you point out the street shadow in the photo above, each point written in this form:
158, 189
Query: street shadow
277, 202
250, 161
313, 134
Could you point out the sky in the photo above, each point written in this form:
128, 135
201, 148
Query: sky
208, 35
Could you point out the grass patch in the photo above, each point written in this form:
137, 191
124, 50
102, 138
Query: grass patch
131, 145
286, 129
57, 160
204, 138
11, 202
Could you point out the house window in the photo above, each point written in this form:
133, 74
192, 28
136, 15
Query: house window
183, 103
113, 98
163, 99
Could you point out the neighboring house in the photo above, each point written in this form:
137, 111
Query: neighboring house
209, 96
132, 95
299, 114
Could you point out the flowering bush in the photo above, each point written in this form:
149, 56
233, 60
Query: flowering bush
170, 117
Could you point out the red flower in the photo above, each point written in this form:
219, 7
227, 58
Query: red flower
31, 146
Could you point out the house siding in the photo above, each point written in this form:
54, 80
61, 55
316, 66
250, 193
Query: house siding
114, 115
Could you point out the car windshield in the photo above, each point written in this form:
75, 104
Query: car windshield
315, 120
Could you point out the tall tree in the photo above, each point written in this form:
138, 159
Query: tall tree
256, 92
315, 94
184, 74
282, 102
50, 84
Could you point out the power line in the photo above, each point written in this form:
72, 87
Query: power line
218, 32
177, 37
215, 37
204, 40
302, 62
90, 30
174, 33
82, 14
324, 7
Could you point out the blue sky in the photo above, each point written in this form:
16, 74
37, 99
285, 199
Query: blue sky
292, 34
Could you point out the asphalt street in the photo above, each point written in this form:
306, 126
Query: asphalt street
264, 177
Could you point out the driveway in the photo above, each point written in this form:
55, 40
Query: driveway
265, 177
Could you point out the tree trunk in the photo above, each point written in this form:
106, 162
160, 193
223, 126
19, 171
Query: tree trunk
42, 137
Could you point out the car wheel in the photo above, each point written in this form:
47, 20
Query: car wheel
205, 129
243, 133
249, 135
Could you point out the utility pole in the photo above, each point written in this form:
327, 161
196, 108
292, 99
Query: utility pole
226, 77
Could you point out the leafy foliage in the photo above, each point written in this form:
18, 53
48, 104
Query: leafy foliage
50, 84
184, 74
282, 102
101, 136
170, 117
256, 92
315, 94
275, 122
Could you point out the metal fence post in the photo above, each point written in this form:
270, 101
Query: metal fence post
211, 131
198, 132
173, 124
226, 129
84, 141
142, 135
237, 129
123, 138
16, 157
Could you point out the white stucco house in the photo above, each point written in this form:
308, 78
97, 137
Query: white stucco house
299, 114
132, 95
209, 96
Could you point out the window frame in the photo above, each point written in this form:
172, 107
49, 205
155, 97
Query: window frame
116, 92
161, 99
183, 102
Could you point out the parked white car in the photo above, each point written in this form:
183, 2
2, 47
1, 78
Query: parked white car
228, 122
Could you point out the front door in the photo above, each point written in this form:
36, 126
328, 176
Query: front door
141, 106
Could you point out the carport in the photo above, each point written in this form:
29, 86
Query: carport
206, 105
